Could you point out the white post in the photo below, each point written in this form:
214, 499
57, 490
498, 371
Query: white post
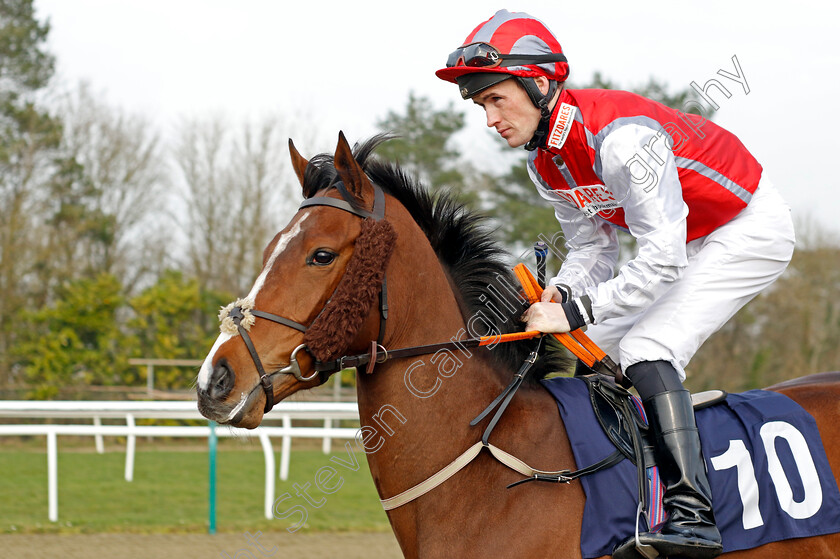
268, 451
337, 387
52, 476
100, 444
130, 442
286, 448
326, 445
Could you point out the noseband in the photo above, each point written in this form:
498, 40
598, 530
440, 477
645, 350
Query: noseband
238, 317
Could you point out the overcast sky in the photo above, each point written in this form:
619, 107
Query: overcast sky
345, 64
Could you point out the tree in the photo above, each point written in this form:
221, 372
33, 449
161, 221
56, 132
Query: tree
29, 137
77, 341
423, 144
118, 172
24, 64
235, 192
174, 319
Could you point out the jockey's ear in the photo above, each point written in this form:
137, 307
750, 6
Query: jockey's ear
352, 175
298, 162
542, 83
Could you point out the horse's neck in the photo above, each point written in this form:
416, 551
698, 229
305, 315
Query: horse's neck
407, 402
415, 412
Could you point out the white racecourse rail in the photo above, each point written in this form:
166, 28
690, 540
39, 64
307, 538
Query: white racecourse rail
129, 411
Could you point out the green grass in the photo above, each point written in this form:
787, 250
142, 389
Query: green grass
170, 491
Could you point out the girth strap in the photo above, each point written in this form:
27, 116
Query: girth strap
567, 476
509, 460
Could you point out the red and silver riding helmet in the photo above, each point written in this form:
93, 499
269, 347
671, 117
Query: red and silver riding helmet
508, 44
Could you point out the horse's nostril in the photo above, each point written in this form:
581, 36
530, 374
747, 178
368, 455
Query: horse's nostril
221, 381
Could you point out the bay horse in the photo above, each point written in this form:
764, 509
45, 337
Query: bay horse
372, 263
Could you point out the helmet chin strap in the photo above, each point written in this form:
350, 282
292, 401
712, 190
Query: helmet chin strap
541, 102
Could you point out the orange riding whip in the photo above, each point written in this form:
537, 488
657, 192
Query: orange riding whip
576, 341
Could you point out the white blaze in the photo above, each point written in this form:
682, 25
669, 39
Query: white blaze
282, 243
207, 366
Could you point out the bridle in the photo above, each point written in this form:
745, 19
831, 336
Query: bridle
243, 311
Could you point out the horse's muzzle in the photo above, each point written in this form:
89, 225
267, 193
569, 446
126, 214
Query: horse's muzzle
221, 381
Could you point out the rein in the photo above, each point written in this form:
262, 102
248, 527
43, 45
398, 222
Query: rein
379, 354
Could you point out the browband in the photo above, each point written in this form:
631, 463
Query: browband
377, 213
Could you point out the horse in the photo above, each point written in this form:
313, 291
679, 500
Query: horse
372, 263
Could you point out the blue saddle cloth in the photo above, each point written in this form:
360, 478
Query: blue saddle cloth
767, 467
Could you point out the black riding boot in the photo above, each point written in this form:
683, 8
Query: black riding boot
690, 529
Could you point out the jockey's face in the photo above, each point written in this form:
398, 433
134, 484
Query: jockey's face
510, 111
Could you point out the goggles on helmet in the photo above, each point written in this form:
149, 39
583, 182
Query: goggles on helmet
483, 55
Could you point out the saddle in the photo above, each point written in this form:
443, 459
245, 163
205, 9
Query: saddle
621, 416
618, 414
623, 421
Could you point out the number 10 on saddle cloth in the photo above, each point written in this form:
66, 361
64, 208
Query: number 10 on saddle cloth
766, 464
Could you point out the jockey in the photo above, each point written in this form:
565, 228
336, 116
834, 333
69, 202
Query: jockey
711, 232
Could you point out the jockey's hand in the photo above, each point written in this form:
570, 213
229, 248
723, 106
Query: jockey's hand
549, 318
551, 293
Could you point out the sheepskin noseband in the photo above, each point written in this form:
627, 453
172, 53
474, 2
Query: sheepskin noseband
329, 336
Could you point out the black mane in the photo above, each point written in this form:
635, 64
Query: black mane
488, 290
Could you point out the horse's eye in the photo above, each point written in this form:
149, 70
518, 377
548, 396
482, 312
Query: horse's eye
322, 257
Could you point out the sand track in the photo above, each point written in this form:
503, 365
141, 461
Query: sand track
199, 546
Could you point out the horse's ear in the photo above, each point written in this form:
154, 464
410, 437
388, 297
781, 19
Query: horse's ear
298, 162
352, 175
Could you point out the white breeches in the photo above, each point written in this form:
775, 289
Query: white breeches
726, 269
